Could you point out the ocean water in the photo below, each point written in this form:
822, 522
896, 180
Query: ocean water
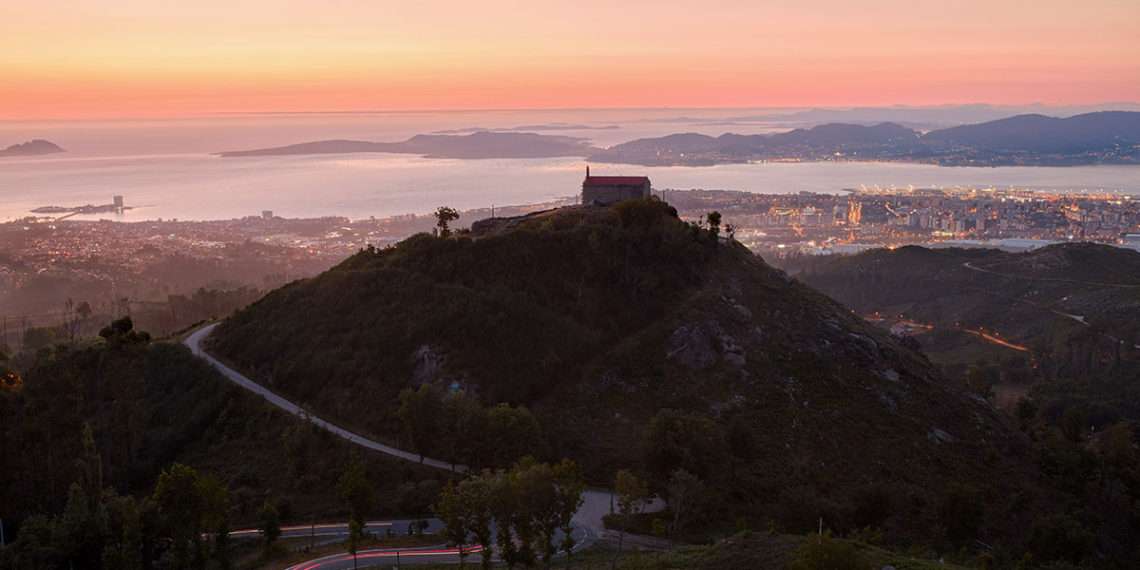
165, 169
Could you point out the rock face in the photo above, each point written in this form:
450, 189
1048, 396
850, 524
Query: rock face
31, 148
597, 319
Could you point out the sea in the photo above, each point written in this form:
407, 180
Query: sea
166, 169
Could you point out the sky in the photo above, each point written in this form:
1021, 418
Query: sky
76, 59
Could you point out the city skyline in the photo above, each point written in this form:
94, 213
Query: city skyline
136, 59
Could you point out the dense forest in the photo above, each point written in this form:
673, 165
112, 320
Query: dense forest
106, 442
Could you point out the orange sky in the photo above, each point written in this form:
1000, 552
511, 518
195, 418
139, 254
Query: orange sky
115, 58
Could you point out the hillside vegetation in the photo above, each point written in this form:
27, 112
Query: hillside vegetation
86, 431
1074, 310
637, 340
1076, 307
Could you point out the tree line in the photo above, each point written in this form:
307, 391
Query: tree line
517, 512
458, 428
183, 524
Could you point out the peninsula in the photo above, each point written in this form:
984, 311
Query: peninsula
481, 144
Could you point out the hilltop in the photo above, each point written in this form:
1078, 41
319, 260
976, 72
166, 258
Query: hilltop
638, 340
31, 148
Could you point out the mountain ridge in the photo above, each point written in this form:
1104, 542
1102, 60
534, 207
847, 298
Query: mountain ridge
1031, 139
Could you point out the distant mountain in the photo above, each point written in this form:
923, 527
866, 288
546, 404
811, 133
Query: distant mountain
696, 149
31, 148
529, 128
1111, 137
1038, 133
838, 135
482, 144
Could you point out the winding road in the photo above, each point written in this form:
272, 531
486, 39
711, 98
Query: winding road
970, 265
596, 503
194, 342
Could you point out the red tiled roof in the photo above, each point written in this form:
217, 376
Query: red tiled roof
615, 180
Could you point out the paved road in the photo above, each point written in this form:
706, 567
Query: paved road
596, 503
194, 342
335, 530
388, 557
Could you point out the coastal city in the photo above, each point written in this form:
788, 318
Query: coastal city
871, 217
115, 266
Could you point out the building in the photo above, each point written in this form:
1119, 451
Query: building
854, 212
118, 203
267, 214
605, 190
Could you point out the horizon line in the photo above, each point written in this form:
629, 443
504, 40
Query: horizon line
267, 113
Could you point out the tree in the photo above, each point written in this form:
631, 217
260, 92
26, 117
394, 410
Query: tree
680, 440
453, 511
420, 412
83, 526
713, 219
632, 494
464, 425
684, 489
180, 506
505, 510
9, 379
568, 488
476, 496
444, 215
355, 536
124, 546
358, 496
538, 521
270, 522
515, 433
215, 516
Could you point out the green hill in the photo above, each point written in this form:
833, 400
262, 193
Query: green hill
1076, 307
638, 340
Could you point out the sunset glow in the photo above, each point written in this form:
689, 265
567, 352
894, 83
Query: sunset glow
90, 59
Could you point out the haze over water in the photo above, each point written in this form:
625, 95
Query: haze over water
164, 167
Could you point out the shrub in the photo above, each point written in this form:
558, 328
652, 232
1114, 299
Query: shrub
826, 553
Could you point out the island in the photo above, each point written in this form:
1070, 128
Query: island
31, 148
482, 144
